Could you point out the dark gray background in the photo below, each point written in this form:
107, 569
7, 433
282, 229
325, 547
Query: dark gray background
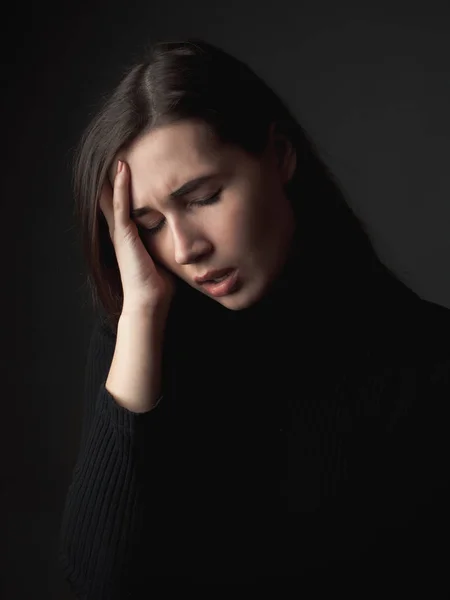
372, 86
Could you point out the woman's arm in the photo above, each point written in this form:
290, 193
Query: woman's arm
103, 514
134, 379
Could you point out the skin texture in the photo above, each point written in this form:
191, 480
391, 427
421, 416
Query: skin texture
250, 226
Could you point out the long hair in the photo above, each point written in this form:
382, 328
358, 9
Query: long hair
179, 80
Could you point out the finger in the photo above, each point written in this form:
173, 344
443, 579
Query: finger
120, 196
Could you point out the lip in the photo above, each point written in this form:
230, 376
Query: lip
212, 275
223, 288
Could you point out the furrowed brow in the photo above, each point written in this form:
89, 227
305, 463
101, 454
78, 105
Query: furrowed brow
186, 188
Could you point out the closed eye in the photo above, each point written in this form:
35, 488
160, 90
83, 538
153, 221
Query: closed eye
210, 200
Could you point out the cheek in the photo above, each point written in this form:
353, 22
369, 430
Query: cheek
234, 225
257, 219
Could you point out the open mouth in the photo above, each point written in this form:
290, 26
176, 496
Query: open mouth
218, 279
221, 286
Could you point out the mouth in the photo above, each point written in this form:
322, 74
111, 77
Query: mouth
216, 279
222, 286
214, 276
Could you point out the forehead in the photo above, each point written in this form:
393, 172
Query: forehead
171, 151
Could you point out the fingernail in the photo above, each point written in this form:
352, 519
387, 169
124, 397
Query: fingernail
119, 166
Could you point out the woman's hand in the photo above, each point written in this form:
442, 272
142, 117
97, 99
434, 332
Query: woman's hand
146, 287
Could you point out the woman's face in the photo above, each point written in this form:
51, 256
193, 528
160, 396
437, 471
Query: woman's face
246, 223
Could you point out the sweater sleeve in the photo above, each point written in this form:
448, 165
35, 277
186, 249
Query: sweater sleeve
104, 506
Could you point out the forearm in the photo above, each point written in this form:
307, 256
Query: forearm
134, 379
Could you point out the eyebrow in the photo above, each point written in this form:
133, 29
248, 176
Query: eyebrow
186, 188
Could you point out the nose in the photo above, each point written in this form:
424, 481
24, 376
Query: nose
189, 245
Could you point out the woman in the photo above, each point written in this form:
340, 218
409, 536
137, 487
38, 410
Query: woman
263, 397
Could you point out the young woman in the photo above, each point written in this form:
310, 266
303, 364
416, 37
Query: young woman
263, 397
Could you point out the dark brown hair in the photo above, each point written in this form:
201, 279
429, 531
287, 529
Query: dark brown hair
178, 80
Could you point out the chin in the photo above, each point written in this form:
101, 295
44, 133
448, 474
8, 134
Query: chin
242, 299
232, 305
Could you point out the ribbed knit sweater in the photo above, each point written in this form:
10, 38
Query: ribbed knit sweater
293, 438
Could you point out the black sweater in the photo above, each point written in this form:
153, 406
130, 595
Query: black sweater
294, 437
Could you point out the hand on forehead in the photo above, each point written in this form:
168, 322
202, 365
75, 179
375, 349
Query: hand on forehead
113, 170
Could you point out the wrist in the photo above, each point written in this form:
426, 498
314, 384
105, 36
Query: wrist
154, 318
152, 313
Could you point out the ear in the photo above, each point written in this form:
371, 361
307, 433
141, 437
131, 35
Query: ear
284, 153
